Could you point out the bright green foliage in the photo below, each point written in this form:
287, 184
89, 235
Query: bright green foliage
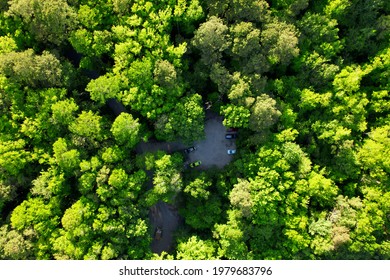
198, 188
37, 213
63, 111
37, 219
336, 9
50, 183
239, 90
91, 43
305, 82
292, 153
67, 159
74, 216
186, 13
7, 44
374, 156
348, 79
76, 222
167, 180
146, 96
231, 239
370, 233
113, 154
86, 127
103, 88
49, 21
311, 100
117, 225
126, 130
188, 128
321, 189
195, 249
235, 116
118, 178
13, 156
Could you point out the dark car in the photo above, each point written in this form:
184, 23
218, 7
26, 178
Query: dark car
158, 233
232, 129
230, 136
189, 150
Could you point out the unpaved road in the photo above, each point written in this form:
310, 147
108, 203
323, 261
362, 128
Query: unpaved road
164, 216
212, 151
154, 146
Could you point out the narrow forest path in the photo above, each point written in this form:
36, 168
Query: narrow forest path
166, 217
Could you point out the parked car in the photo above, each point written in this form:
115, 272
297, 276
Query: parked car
189, 150
195, 164
158, 233
231, 152
230, 136
232, 129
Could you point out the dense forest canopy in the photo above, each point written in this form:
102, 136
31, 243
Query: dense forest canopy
305, 83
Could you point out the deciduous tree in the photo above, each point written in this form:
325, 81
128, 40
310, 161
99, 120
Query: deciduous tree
49, 21
126, 130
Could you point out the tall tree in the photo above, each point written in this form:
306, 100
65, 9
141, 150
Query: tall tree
264, 113
32, 70
49, 21
126, 130
280, 41
212, 38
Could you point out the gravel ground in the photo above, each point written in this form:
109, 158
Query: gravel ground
212, 151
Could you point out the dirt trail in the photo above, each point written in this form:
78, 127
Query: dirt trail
164, 216
154, 146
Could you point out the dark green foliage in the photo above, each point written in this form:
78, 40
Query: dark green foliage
185, 123
32, 70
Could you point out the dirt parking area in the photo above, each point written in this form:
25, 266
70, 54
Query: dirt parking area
212, 151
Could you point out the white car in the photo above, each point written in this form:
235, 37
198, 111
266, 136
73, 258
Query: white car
231, 152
